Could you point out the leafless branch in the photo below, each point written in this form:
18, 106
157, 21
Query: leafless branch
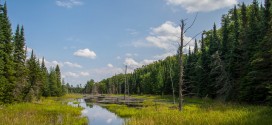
191, 24
192, 39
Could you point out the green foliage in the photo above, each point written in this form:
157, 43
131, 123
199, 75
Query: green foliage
45, 112
21, 79
232, 64
195, 112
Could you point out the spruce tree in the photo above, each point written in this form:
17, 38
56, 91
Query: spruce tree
58, 79
45, 83
8, 72
19, 63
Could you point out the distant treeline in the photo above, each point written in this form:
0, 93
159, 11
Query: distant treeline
233, 63
23, 79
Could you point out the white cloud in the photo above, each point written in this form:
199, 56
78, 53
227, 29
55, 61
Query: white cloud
70, 74
166, 37
132, 64
75, 75
73, 65
105, 72
69, 3
110, 65
141, 43
28, 49
147, 61
52, 63
202, 5
84, 74
85, 53
163, 56
130, 54
118, 57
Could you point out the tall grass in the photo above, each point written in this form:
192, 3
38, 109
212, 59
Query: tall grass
195, 112
46, 112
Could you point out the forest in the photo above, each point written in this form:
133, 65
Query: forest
230, 63
23, 78
226, 78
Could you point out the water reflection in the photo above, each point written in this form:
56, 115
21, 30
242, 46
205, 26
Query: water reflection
98, 115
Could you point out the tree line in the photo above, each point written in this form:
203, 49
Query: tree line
22, 78
231, 63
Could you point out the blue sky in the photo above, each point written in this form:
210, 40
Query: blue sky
94, 39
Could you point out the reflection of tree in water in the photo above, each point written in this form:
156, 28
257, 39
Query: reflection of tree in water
89, 105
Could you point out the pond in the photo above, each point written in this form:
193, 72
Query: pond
97, 115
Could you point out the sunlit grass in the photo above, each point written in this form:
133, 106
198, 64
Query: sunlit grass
45, 112
195, 112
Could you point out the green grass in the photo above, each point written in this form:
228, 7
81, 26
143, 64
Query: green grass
195, 112
48, 111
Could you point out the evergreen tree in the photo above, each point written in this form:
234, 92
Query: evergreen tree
19, 63
235, 57
8, 72
225, 37
58, 79
53, 82
204, 63
45, 82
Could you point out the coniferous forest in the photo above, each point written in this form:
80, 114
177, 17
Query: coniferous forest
23, 79
225, 78
231, 63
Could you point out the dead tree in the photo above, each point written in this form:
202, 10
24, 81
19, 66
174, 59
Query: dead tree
173, 89
180, 53
125, 89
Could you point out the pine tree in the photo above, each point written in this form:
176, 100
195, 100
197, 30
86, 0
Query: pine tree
204, 69
45, 83
19, 63
53, 82
235, 57
33, 91
225, 37
213, 48
58, 75
8, 72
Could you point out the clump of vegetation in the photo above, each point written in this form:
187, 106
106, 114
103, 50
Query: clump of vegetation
122, 110
46, 112
195, 112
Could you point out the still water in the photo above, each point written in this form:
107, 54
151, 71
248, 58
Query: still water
97, 115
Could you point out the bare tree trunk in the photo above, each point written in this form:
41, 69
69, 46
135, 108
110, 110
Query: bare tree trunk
125, 89
128, 86
181, 65
173, 89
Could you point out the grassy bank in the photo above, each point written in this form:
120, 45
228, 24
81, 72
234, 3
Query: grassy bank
195, 112
48, 111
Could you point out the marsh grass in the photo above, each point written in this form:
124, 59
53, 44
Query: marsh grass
195, 112
48, 111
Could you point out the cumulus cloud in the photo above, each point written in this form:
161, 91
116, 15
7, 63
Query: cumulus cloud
69, 3
85, 53
202, 5
73, 65
166, 37
133, 64
110, 65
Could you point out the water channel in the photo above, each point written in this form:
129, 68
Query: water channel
97, 115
